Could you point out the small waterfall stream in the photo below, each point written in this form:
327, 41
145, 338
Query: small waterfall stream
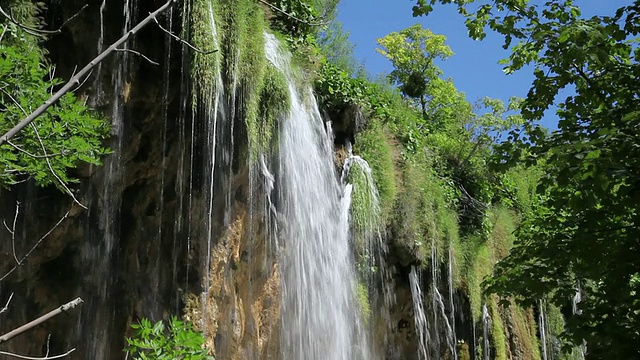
575, 302
486, 324
420, 319
320, 317
542, 325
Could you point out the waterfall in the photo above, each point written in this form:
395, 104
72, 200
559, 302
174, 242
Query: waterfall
452, 313
213, 111
367, 235
575, 301
420, 319
101, 306
319, 314
542, 324
486, 323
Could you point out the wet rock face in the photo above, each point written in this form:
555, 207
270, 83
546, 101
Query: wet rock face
142, 254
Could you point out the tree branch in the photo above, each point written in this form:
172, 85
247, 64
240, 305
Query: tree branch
138, 54
53, 172
179, 39
21, 262
37, 358
40, 32
6, 306
68, 306
76, 79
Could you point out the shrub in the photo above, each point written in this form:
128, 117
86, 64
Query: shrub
158, 342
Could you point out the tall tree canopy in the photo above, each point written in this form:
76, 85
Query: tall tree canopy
412, 52
585, 233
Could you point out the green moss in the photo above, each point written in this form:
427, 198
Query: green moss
204, 67
463, 352
479, 267
365, 205
362, 295
274, 103
501, 237
259, 89
373, 145
497, 334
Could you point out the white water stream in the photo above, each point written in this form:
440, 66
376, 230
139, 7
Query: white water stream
319, 312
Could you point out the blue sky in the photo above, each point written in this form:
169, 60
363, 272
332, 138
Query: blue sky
474, 67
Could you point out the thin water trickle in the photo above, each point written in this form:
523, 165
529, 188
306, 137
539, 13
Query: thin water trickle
542, 325
452, 307
451, 341
214, 110
575, 301
319, 312
436, 300
419, 317
486, 323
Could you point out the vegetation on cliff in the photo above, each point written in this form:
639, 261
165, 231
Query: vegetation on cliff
64, 137
521, 218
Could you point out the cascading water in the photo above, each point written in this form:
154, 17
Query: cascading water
452, 313
367, 235
451, 342
575, 301
420, 320
439, 311
319, 313
213, 111
542, 324
101, 255
486, 323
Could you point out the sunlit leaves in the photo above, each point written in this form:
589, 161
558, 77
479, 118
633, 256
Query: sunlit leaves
62, 138
586, 231
412, 52
175, 341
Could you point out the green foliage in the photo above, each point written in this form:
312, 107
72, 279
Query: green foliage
497, 334
362, 295
300, 19
204, 67
176, 341
67, 135
275, 102
373, 145
589, 203
365, 204
412, 52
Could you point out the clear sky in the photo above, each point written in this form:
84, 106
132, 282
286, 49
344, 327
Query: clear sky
474, 67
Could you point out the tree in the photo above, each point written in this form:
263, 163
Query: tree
412, 52
585, 231
69, 133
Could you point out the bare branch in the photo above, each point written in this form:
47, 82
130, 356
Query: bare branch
76, 79
22, 260
14, 101
179, 39
48, 342
13, 231
30, 154
6, 306
37, 358
40, 32
68, 306
4, 31
139, 54
83, 81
